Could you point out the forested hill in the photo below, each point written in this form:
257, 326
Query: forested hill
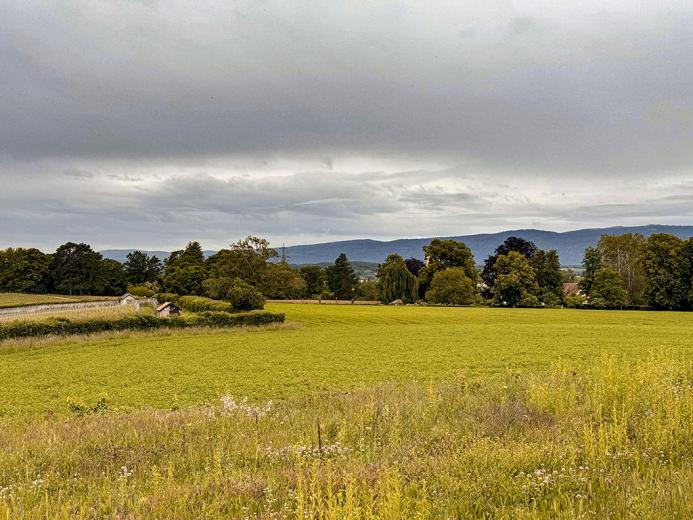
570, 244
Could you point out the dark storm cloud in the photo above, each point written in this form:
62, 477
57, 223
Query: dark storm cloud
145, 123
585, 90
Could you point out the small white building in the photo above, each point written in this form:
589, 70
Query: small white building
167, 309
127, 299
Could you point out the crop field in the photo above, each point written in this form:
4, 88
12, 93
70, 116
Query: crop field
18, 299
113, 312
356, 412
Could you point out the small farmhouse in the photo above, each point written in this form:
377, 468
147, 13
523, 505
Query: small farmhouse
166, 310
571, 289
127, 299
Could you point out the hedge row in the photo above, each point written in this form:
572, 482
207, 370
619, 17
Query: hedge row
65, 327
195, 303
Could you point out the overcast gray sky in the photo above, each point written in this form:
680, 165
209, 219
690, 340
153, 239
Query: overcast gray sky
147, 124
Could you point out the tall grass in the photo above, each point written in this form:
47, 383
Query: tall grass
83, 314
609, 439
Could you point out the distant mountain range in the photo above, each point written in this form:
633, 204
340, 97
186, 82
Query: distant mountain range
570, 245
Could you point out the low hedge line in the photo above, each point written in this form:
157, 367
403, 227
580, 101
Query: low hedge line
195, 303
65, 327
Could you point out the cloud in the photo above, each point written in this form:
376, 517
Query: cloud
588, 89
301, 120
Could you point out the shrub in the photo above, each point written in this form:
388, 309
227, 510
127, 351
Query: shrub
144, 290
452, 287
551, 300
64, 327
202, 304
167, 297
575, 302
244, 297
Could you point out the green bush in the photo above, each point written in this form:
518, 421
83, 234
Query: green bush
166, 297
65, 327
244, 297
451, 287
202, 304
143, 290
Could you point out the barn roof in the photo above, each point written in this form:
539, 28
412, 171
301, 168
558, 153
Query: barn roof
164, 305
571, 289
126, 295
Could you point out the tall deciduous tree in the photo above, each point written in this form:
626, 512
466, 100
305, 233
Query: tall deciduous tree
315, 279
510, 244
665, 267
282, 282
515, 281
396, 281
547, 269
140, 267
443, 254
247, 259
451, 286
76, 269
621, 253
592, 262
607, 289
414, 265
341, 278
24, 270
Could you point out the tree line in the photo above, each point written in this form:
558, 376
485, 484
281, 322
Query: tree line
621, 270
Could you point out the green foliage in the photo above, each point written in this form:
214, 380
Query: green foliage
185, 278
241, 295
77, 269
24, 270
79, 408
621, 253
607, 289
414, 265
573, 412
451, 286
141, 268
144, 290
442, 254
191, 255
341, 279
247, 259
167, 297
510, 244
315, 280
592, 262
281, 282
66, 327
547, 269
666, 267
515, 281
368, 290
396, 281
244, 296
201, 304
577, 301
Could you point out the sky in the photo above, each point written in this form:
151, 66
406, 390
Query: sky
146, 124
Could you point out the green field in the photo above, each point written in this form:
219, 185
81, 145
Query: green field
331, 348
21, 300
422, 412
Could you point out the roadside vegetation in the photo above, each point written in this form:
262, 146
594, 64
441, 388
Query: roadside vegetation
605, 439
620, 271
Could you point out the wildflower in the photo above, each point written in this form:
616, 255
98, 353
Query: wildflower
258, 412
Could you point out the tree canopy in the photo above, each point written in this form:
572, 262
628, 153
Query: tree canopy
396, 281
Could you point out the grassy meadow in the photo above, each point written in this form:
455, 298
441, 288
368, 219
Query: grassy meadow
20, 300
112, 312
356, 412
